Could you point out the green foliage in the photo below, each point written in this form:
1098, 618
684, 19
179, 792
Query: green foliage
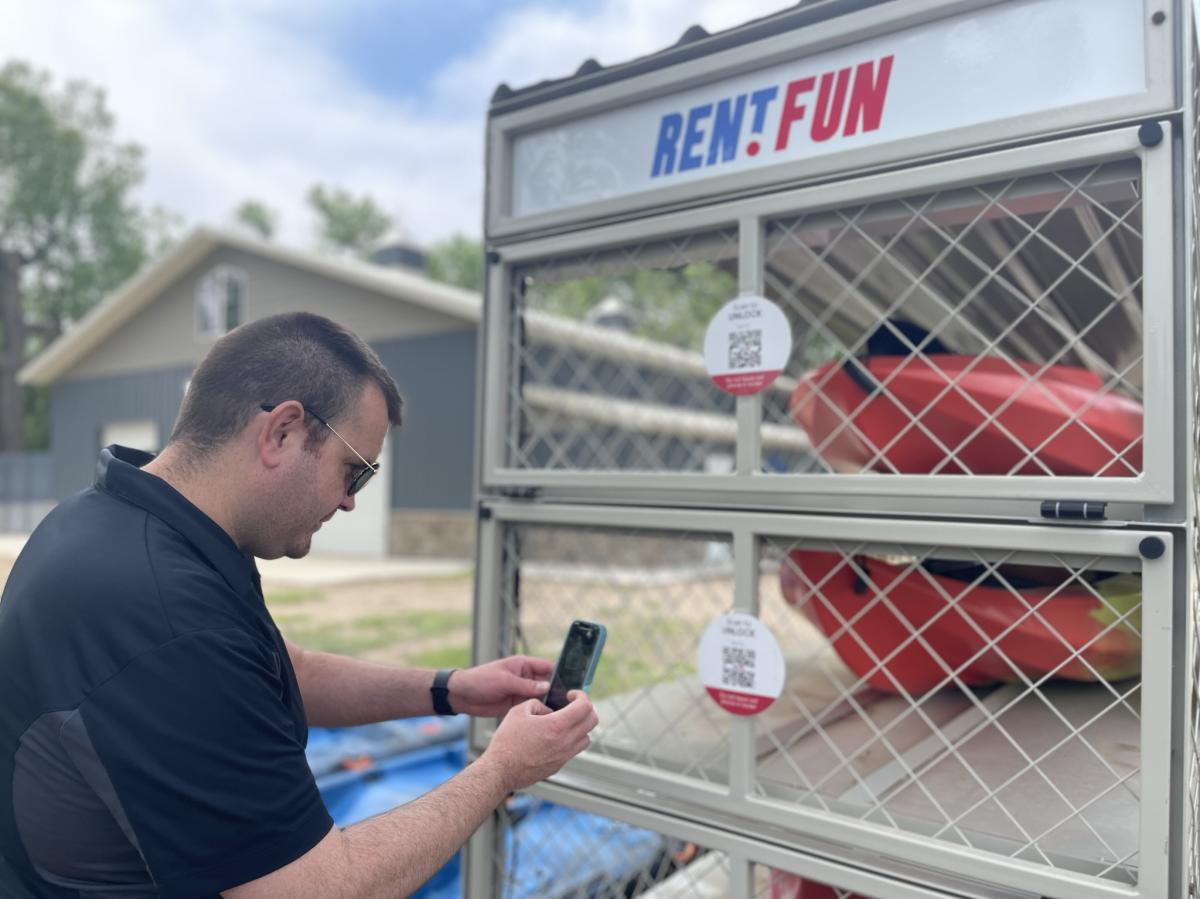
257, 217
163, 230
670, 305
347, 223
65, 185
458, 261
36, 424
68, 223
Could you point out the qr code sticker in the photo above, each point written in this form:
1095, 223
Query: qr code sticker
745, 349
737, 667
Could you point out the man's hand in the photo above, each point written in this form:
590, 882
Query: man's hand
394, 853
533, 742
491, 690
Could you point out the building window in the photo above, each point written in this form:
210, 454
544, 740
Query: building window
220, 302
141, 435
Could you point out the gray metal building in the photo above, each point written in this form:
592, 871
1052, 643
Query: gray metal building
120, 374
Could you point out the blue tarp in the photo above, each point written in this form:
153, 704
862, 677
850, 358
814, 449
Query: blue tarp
551, 851
332, 749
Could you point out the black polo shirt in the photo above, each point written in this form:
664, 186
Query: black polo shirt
151, 729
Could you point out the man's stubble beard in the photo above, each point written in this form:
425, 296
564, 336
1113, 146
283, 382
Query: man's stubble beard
298, 550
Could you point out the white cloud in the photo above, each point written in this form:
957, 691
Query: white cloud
233, 99
549, 41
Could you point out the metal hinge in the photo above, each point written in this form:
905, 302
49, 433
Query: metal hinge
1073, 510
520, 492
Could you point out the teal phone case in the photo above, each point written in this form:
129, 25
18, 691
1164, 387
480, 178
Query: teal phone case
593, 661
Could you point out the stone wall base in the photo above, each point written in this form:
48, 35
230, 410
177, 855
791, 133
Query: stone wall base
433, 533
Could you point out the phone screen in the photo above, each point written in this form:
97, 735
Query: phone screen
580, 648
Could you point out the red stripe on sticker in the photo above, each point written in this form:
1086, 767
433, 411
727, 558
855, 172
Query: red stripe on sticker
740, 703
746, 382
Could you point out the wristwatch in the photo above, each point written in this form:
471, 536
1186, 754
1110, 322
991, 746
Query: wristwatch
441, 692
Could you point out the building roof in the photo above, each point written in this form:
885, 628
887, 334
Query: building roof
143, 288
695, 42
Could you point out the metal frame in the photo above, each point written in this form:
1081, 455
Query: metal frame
1156, 484
771, 820
1186, 820
842, 850
743, 852
1158, 47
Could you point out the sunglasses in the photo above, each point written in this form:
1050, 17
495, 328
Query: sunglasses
360, 477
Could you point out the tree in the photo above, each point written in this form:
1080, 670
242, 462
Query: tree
69, 232
346, 223
458, 260
669, 305
257, 217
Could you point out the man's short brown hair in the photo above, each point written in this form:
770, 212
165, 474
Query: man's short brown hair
295, 356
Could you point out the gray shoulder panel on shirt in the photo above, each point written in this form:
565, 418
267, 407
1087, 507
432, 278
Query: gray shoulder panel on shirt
70, 817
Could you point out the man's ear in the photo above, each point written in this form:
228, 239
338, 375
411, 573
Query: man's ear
281, 434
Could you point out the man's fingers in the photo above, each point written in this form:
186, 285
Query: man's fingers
578, 711
527, 666
520, 686
535, 707
536, 687
534, 667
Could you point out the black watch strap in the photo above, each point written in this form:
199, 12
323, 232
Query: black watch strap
441, 692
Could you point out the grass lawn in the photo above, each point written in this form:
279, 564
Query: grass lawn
652, 634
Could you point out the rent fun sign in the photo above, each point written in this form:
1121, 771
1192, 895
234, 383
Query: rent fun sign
848, 101
998, 66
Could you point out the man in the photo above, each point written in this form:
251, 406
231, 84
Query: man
153, 720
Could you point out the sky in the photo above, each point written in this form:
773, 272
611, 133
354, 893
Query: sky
236, 99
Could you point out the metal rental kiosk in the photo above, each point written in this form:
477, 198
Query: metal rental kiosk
964, 505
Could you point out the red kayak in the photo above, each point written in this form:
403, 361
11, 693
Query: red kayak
792, 886
998, 418
962, 624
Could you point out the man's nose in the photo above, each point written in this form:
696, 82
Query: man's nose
347, 503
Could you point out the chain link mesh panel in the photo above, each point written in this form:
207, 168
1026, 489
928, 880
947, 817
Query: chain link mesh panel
987, 701
988, 330
553, 852
607, 373
655, 593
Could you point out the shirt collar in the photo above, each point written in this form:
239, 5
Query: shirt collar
119, 474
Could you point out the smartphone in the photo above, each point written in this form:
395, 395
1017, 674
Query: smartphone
577, 662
